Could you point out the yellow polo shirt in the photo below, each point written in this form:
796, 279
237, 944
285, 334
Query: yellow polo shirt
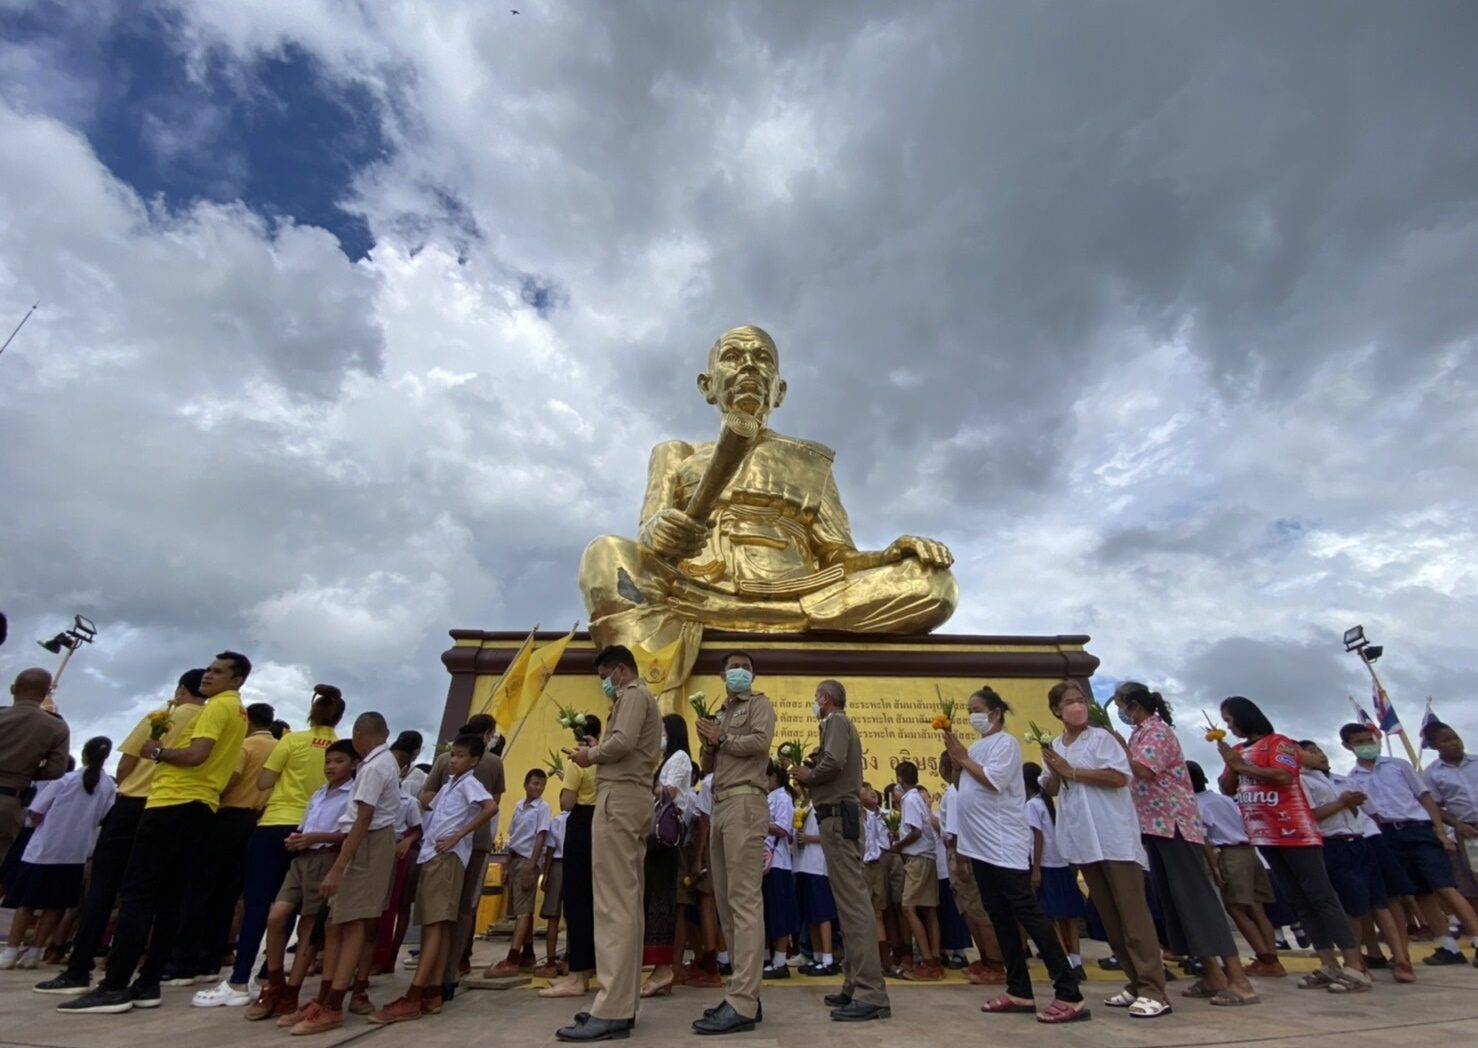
254, 751
298, 761
581, 780
139, 780
224, 720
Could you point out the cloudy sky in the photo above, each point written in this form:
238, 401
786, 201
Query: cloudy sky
357, 320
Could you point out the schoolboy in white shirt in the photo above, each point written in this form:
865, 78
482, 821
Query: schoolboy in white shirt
528, 830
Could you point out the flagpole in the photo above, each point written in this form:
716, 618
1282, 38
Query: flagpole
508, 749
487, 706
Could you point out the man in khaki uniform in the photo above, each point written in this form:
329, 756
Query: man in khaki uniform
736, 748
33, 748
626, 762
835, 781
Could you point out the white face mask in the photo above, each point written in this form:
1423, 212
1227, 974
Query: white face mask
981, 722
663, 747
816, 709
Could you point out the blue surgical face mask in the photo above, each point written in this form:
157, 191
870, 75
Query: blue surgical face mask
1124, 717
609, 687
738, 679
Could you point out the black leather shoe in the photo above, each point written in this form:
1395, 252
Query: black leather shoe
725, 1020
857, 1012
837, 1000
777, 973
593, 1029
759, 1014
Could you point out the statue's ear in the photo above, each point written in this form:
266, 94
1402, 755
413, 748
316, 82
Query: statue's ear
779, 397
705, 386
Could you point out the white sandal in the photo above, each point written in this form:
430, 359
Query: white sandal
1122, 999
1148, 1008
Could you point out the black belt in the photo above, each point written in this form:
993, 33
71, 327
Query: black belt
10, 791
1406, 824
1343, 837
829, 811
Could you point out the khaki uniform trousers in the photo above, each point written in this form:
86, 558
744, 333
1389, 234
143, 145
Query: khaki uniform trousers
1117, 889
623, 818
737, 850
863, 976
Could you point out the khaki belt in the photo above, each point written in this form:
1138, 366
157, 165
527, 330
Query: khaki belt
737, 791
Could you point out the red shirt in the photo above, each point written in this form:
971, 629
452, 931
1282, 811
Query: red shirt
1276, 816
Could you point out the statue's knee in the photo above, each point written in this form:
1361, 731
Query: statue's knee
608, 568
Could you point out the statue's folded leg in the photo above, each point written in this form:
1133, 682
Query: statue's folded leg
906, 597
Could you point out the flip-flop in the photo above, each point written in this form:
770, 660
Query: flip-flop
1199, 991
1229, 999
1062, 1012
1315, 980
1004, 1003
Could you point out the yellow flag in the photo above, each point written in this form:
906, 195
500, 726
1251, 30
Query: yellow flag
655, 666
540, 668
505, 697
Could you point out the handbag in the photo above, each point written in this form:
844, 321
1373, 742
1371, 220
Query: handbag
667, 826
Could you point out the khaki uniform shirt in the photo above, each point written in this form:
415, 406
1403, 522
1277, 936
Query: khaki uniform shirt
33, 745
747, 723
838, 771
631, 748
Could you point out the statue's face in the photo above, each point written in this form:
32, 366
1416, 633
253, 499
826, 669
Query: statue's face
744, 373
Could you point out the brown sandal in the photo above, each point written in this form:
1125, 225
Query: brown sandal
1063, 1012
1007, 1004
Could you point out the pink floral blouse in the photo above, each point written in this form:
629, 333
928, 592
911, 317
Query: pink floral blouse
1165, 803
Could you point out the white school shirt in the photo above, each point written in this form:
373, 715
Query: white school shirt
874, 836
811, 858
414, 782
454, 806
1368, 826
1320, 791
1455, 787
992, 823
377, 782
71, 817
1392, 787
557, 833
328, 811
677, 772
782, 814
530, 818
700, 804
916, 815
1222, 818
409, 816
1097, 823
1040, 819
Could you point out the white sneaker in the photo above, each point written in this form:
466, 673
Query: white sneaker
222, 996
8, 958
31, 958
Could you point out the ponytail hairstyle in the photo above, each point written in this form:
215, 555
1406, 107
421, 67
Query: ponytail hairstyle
94, 756
1031, 774
1133, 693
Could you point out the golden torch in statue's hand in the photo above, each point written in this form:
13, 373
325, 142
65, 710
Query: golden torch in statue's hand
679, 534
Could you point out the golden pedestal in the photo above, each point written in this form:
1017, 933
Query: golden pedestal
894, 688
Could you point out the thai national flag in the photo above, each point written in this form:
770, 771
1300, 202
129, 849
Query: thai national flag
1389, 722
1364, 718
1430, 717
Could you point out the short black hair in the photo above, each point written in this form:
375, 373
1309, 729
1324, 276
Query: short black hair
592, 725
534, 773
240, 664
616, 655
1198, 776
408, 742
1431, 728
908, 772
190, 681
471, 742
480, 724
372, 723
1246, 715
746, 656
343, 746
261, 714
280, 728
1350, 730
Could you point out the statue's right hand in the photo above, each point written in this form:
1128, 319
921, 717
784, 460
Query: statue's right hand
674, 534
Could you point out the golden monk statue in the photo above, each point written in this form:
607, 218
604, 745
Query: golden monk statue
748, 533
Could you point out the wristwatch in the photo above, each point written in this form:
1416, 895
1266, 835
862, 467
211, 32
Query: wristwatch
159, 755
723, 738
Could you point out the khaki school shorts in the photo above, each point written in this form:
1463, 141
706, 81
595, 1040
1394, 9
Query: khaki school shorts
966, 891
920, 881
554, 891
893, 877
877, 883
300, 887
439, 888
365, 890
520, 899
1244, 881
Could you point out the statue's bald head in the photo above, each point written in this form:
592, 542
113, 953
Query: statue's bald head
32, 685
744, 372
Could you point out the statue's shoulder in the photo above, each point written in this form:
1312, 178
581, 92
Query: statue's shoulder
668, 452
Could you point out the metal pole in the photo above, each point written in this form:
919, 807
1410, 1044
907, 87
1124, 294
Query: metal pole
18, 327
1411, 753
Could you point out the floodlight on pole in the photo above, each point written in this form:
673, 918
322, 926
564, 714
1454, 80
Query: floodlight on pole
82, 631
1356, 641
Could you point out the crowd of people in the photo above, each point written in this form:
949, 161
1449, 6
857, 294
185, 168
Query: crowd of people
225, 845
